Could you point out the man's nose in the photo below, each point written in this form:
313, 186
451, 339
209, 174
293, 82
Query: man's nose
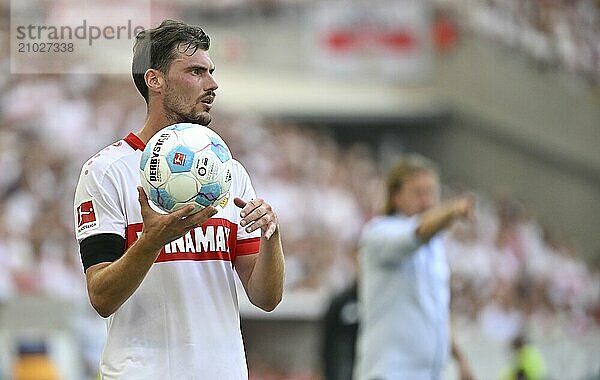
211, 84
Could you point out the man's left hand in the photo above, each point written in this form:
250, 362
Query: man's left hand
257, 214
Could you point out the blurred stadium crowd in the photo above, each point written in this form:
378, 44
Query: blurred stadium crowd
555, 34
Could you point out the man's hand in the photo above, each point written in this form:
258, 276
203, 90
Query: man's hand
257, 214
160, 229
439, 217
463, 207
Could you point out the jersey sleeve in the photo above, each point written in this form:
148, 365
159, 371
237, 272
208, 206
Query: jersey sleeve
97, 206
247, 243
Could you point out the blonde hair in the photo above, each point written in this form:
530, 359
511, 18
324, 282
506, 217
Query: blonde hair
406, 166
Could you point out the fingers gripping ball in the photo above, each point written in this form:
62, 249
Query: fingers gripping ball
186, 164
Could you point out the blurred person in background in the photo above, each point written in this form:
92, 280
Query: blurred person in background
340, 331
178, 318
404, 279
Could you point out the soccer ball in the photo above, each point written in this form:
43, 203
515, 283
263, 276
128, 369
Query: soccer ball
186, 164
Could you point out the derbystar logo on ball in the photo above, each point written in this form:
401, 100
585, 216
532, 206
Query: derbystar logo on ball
155, 173
186, 164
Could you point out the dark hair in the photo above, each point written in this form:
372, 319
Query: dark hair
399, 174
156, 48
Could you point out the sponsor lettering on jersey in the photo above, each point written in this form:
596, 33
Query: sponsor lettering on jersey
201, 240
214, 240
86, 216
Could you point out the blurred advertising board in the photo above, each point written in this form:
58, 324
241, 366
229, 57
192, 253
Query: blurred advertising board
382, 40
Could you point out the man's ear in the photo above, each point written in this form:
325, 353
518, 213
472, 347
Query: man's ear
154, 80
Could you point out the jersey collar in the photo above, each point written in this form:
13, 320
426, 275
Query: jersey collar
134, 141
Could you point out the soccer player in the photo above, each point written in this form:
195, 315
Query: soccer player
171, 306
404, 279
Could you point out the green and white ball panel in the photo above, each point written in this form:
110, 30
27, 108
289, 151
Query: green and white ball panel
182, 187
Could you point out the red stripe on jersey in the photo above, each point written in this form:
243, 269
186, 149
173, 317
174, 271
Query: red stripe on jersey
164, 257
134, 141
247, 246
216, 239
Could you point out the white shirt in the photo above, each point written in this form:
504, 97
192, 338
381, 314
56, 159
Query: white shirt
403, 299
183, 320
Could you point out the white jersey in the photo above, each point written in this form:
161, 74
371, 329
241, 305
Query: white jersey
183, 320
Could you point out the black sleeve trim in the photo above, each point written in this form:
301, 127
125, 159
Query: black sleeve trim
101, 248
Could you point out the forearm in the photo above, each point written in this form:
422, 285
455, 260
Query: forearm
112, 284
436, 219
265, 285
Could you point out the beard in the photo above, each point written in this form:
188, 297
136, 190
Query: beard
202, 118
176, 111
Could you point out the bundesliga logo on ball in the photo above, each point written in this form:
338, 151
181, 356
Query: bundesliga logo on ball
186, 164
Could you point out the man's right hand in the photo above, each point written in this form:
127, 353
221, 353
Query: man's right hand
463, 207
440, 217
160, 229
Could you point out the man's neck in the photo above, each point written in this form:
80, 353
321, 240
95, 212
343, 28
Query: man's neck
155, 121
